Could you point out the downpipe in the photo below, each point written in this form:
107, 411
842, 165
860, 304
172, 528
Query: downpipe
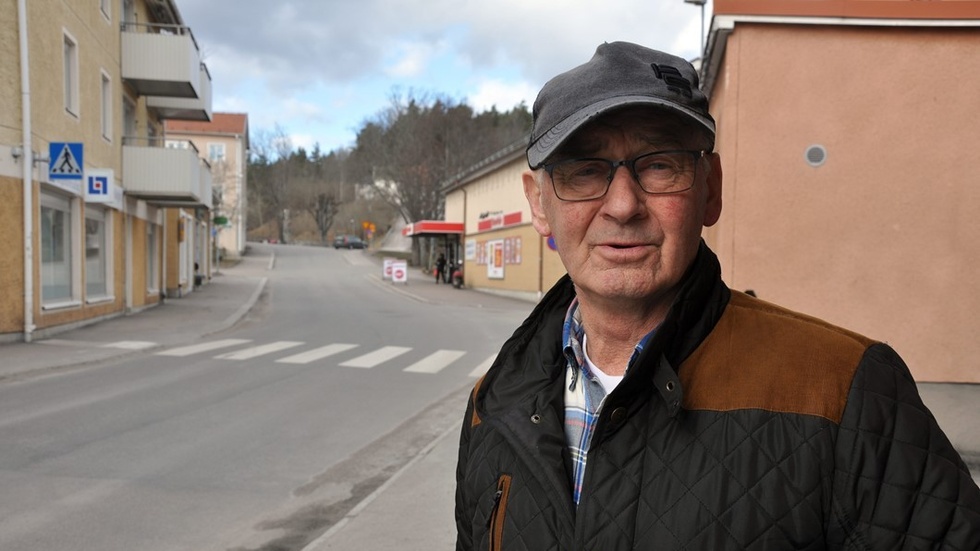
27, 158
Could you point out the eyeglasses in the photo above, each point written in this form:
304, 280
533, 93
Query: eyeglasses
657, 173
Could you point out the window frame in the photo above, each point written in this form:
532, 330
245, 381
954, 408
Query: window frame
68, 206
103, 216
70, 75
106, 119
152, 273
217, 146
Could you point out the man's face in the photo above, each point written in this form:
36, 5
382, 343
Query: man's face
627, 245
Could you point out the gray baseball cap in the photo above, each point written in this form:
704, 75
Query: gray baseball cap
619, 74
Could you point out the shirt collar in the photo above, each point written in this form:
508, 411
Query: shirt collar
572, 337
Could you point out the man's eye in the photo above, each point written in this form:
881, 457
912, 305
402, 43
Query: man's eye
656, 165
588, 170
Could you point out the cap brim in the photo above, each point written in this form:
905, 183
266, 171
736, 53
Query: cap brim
542, 148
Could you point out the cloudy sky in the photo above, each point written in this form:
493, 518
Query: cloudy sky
320, 68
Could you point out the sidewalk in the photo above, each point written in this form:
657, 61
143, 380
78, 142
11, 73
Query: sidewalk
413, 510
212, 308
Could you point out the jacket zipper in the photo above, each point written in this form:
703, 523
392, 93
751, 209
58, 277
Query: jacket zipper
495, 523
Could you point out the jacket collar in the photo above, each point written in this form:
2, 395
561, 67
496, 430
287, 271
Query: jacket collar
532, 357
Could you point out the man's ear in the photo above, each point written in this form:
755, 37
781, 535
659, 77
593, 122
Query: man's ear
712, 208
532, 190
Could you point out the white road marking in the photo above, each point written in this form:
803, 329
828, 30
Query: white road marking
130, 345
380, 355
316, 354
481, 369
203, 347
435, 362
256, 351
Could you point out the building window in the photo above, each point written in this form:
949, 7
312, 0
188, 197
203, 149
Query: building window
71, 74
56, 249
216, 152
96, 252
106, 106
152, 276
178, 144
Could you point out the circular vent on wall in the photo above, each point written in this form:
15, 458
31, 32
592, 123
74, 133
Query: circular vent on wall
816, 155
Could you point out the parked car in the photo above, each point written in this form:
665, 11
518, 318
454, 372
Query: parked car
349, 242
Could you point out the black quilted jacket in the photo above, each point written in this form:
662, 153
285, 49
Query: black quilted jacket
742, 426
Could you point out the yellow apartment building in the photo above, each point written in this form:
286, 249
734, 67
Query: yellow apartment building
98, 218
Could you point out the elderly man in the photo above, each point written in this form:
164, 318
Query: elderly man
644, 405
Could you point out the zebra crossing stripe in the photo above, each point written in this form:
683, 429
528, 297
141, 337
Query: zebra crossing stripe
203, 347
435, 362
256, 351
316, 354
481, 369
130, 345
380, 355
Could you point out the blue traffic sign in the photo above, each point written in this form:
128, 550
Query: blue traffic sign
66, 162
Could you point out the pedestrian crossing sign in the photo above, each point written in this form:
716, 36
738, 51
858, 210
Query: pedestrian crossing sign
65, 161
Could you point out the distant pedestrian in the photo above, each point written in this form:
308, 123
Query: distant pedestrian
441, 268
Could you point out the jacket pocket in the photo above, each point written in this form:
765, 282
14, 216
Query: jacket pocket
498, 513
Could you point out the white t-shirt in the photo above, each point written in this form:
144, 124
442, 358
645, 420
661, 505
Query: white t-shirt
609, 382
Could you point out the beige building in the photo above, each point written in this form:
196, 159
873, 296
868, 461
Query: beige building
224, 143
849, 134
501, 251
99, 219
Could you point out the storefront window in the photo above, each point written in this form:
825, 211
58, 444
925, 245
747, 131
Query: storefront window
56, 276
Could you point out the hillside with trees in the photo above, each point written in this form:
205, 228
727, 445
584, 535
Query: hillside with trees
401, 159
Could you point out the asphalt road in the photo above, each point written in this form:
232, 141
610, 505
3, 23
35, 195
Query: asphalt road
259, 437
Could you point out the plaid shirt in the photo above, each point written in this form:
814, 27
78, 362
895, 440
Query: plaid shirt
583, 402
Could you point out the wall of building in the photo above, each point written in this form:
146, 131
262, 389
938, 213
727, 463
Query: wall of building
11, 254
882, 237
97, 41
493, 206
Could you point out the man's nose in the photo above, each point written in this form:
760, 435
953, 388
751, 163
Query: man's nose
624, 196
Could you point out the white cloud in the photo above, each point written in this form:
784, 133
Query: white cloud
314, 66
306, 141
503, 95
294, 108
411, 60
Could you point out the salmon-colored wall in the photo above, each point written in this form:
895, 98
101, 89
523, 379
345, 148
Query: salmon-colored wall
884, 238
883, 9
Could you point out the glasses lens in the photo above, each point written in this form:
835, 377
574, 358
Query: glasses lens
666, 172
580, 179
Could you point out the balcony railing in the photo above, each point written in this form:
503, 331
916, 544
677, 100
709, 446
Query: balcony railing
161, 60
174, 175
186, 109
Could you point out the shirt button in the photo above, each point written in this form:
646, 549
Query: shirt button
618, 415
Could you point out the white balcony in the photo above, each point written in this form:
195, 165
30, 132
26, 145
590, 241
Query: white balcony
165, 176
161, 60
186, 109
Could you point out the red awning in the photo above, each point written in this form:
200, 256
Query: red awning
433, 228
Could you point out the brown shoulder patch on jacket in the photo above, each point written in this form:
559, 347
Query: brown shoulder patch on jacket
761, 356
475, 417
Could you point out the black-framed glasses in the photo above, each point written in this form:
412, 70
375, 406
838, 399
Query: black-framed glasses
657, 173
